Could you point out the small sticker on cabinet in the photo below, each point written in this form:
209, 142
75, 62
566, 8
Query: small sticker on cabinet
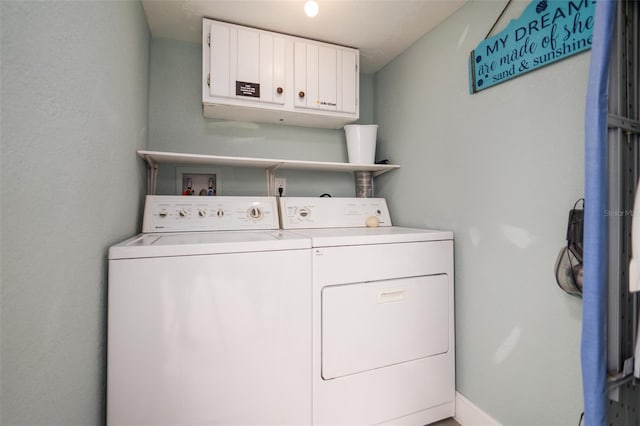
244, 88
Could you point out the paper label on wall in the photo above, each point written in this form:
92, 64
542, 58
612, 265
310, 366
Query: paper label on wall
244, 88
546, 32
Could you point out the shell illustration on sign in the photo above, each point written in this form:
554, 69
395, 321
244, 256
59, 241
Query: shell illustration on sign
542, 6
546, 32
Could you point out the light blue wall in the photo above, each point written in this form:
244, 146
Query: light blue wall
74, 110
176, 124
500, 168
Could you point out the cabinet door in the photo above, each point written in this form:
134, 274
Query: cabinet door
306, 75
279, 69
349, 81
300, 74
272, 68
260, 66
312, 76
219, 60
327, 78
247, 75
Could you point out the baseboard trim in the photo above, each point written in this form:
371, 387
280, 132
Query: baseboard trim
468, 414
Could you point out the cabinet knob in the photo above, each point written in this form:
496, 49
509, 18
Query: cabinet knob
279, 90
301, 94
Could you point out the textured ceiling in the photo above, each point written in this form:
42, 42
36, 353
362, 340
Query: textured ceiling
380, 29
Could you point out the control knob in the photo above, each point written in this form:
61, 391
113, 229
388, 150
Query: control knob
304, 213
255, 213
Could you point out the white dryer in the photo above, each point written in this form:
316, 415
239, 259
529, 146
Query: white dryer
383, 314
209, 328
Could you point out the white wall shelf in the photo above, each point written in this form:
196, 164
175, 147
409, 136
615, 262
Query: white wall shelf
154, 158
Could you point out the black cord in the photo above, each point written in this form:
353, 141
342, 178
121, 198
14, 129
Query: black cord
581, 417
572, 267
497, 20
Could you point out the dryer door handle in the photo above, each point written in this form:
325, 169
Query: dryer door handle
391, 295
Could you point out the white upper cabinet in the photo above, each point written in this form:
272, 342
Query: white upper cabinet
261, 76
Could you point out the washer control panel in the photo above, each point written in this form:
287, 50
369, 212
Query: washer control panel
171, 213
303, 212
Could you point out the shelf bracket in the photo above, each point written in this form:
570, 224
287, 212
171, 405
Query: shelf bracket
271, 179
378, 172
152, 174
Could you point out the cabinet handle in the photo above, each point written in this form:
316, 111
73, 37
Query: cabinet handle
301, 94
279, 90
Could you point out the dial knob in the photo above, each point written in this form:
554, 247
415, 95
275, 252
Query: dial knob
183, 213
162, 213
202, 213
220, 213
255, 213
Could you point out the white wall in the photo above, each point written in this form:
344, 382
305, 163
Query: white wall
74, 110
500, 168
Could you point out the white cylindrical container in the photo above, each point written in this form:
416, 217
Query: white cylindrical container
361, 142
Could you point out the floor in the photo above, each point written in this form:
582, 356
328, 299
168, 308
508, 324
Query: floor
446, 422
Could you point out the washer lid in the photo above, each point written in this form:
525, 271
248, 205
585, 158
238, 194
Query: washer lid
199, 243
360, 236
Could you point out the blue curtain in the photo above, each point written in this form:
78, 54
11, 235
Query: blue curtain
593, 351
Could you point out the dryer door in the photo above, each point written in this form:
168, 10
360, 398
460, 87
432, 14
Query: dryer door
376, 324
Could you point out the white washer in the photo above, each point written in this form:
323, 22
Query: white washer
383, 314
209, 328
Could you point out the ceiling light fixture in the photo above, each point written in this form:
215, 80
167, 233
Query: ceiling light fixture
311, 8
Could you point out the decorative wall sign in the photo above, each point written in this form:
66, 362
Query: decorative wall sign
546, 32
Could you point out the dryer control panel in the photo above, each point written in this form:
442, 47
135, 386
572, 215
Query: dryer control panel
169, 213
303, 212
